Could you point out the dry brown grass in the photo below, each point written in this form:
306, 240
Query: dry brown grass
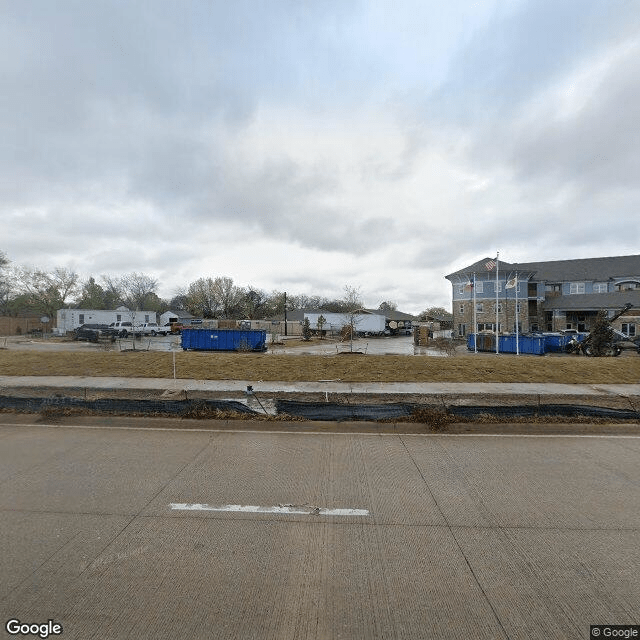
290, 368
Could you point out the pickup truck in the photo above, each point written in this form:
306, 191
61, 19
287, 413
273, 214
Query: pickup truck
92, 332
123, 329
151, 329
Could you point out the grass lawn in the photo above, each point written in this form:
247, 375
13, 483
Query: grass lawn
347, 368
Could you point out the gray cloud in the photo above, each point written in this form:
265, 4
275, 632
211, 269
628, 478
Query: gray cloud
394, 139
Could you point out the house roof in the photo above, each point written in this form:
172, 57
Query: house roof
594, 301
613, 267
440, 317
179, 314
392, 314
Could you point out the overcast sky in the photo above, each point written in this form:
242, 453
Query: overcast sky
302, 145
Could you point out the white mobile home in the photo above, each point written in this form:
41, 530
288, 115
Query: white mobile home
364, 322
175, 316
70, 319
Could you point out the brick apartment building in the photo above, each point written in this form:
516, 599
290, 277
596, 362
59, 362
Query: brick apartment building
553, 295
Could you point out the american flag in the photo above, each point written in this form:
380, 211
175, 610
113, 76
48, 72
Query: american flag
489, 265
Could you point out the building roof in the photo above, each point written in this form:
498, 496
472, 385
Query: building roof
440, 317
561, 270
179, 314
392, 314
593, 301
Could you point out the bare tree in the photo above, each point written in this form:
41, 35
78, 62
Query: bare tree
48, 291
6, 283
228, 296
387, 306
437, 312
138, 289
215, 298
353, 303
201, 299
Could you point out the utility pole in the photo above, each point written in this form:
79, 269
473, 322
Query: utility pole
285, 313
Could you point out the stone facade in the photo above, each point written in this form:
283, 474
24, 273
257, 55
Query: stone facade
551, 296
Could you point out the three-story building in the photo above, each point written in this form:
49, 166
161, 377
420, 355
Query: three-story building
545, 296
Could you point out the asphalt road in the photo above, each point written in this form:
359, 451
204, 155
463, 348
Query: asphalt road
117, 533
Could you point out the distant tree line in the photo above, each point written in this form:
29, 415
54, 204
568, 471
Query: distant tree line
32, 290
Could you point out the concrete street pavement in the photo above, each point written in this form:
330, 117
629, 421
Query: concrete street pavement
138, 534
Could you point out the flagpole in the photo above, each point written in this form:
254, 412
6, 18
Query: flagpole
517, 318
475, 323
497, 302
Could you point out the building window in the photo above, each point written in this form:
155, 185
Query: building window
461, 308
576, 287
146, 317
627, 286
600, 287
499, 307
460, 289
479, 287
462, 329
479, 307
485, 326
518, 308
118, 317
81, 318
629, 329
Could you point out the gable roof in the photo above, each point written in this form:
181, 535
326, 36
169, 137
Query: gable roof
478, 268
179, 314
559, 270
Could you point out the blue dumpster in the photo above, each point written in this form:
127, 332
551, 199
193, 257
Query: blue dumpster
558, 341
534, 345
224, 340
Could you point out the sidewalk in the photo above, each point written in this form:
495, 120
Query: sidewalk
329, 386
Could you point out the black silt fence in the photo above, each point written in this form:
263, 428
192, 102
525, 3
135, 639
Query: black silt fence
340, 412
124, 406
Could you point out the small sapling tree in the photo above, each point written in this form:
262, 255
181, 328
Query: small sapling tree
306, 330
602, 335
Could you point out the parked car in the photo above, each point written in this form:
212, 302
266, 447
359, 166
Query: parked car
91, 332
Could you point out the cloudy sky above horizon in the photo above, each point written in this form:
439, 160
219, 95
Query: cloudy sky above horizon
304, 146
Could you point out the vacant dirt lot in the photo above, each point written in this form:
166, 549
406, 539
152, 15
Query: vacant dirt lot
464, 367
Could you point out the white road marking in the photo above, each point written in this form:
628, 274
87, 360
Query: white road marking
281, 508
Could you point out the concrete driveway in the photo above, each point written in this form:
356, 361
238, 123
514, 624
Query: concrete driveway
126, 533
